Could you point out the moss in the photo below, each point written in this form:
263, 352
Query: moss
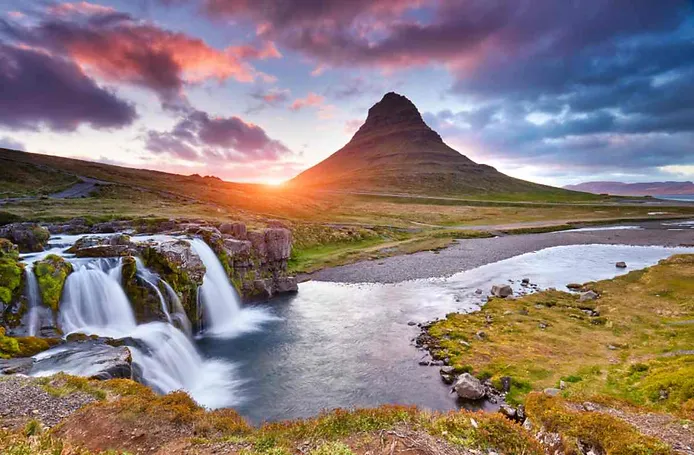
9, 347
143, 299
10, 279
30, 346
8, 250
602, 431
178, 279
51, 274
332, 448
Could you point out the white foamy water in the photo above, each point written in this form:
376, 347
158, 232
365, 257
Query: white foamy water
221, 306
94, 303
602, 228
34, 298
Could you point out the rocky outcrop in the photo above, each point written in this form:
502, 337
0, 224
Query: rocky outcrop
29, 237
142, 295
51, 274
258, 266
102, 247
176, 262
92, 358
12, 305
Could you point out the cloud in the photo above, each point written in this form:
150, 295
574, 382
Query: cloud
39, 89
311, 100
268, 98
201, 137
9, 143
119, 48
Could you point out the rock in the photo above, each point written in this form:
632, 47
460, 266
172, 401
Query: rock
286, 284
502, 290
480, 335
177, 263
574, 286
29, 237
479, 292
51, 273
562, 385
621, 265
11, 281
411, 323
21, 365
447, 374
588, 296
552, 392
506, 384
92, 358
143, 298
508, 411
469, 387
100, 247
236, 230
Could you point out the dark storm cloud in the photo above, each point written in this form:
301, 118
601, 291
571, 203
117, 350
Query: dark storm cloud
37, 90
221, 139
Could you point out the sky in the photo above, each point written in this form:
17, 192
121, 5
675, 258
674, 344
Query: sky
556, 92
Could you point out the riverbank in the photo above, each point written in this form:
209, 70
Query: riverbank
465, 254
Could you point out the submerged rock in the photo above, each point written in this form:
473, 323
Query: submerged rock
469, 387
30, 237
502, 290
51, 274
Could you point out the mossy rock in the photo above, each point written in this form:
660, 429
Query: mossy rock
185, 283
143, 299
8, 250
11, 272
51, 274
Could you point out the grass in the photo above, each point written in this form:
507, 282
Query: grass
628, 352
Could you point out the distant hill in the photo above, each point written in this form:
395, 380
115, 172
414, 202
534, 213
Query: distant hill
395, 151
635, 189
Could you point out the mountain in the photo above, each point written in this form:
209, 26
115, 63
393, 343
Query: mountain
395, 151
635, 189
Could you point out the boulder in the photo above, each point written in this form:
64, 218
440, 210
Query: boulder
552, 392
279, 244
286, 284
100, 247
502, 290
29, 237
508, 411
588, 296
469, 387
144, 299
574, 286
621, 265
94, 359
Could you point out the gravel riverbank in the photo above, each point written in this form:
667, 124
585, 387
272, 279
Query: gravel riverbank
470, 253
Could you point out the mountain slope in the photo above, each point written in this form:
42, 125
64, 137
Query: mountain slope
635, 189
395, 151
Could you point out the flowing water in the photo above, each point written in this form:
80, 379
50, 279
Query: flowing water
34, 300
331, 345
350, 345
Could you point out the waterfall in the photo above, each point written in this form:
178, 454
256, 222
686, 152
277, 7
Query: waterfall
170, 362
221, 307
34, 298
94, 301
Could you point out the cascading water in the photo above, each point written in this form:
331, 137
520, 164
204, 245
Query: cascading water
94, 303
222, 313
34, 298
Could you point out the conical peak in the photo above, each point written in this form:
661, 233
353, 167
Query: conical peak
392, 109
395, 114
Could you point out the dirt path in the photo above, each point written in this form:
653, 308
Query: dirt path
82, 189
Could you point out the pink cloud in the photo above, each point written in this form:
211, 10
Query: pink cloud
311, 99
